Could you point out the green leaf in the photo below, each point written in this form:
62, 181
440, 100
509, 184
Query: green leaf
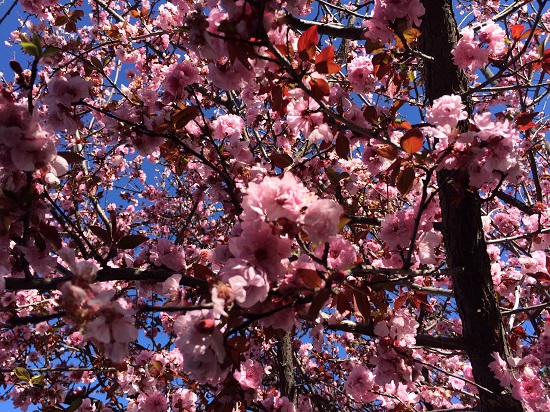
74, 405
36, 40
131, 241
22, 374
30, 48
50, 51
38, 380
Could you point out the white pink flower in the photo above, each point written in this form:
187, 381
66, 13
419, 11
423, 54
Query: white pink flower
360, 383
249, 284
276, 197
259, 247
250, 374
113, 326
321, 220
447, 110
360, 74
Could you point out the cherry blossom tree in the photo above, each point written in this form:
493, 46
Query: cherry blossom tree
275, 206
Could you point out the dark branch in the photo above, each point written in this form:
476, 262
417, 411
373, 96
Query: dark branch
333, 30
105, 275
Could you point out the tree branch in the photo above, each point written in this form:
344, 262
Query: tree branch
109, 274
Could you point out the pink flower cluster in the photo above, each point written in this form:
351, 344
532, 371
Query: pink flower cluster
178, 77
523, 375
386, 11
360, 74
472, 54
200, 342
250, 375
62, 93
168, 254
490, 146
257, 254
113, 326
24, 143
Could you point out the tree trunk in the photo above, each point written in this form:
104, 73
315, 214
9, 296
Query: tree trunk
286, 366
465, 245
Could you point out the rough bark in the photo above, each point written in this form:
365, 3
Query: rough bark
286, 366
465, 245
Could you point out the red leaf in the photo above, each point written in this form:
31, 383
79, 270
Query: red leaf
310, 278
184, 115
370, 114
326, 55
317, 303
524, 121
101, 233
281, 161
516, 31
381, 70
324, 61
540, 276
319, 88
546, 61
327, 67
131, 241
398, 303
342, 146
307, 43
412, 141
388, 152
405, 180
362, 304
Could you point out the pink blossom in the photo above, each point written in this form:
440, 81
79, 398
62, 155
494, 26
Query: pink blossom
278, 404
303, 115
321, 220
37, 6
178, 77
360, 74
24, 143
276, 198
493, 35
534, 264
427, 246
250, 375
84, 270
227, 126
529, 388
467, 54
259, 247
447, 110
200, 342
183, 400
113, 327
171, 286
396, 230
360, 383
168, 254
321, 133
249, 284
153, 402
395, 9
401, 327
500, 369
341, 253
65, 91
